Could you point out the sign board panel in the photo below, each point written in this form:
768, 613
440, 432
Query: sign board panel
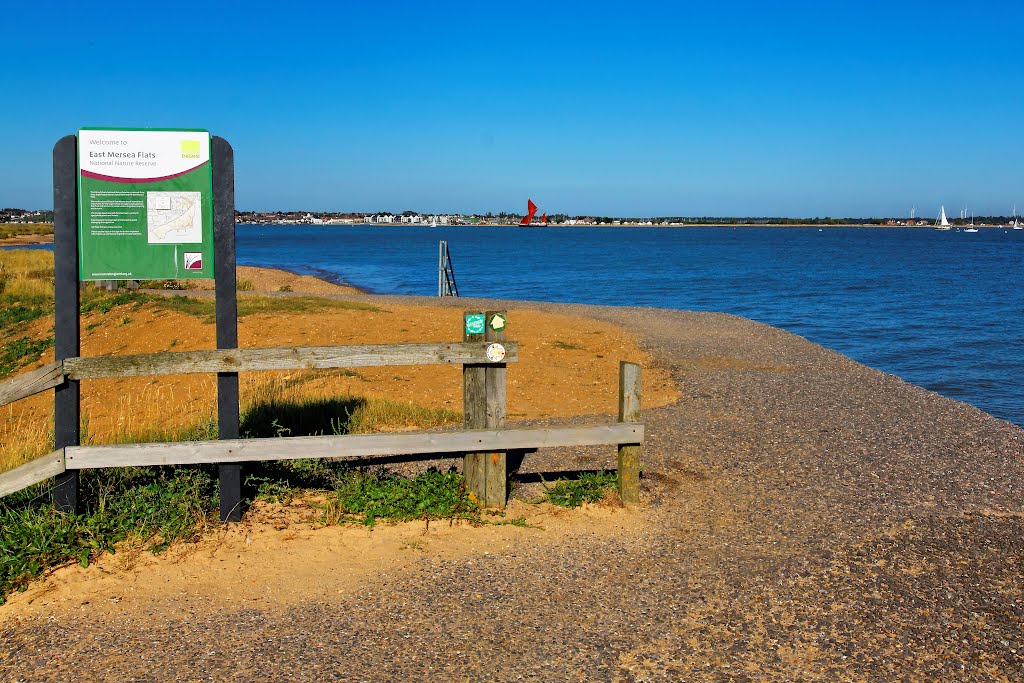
145, 204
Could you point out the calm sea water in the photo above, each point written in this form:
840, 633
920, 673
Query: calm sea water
944, 310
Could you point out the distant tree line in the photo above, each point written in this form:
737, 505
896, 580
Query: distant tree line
13, 215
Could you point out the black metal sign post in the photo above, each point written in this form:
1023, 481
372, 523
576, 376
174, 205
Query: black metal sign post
66, 403
223, 159
66, 406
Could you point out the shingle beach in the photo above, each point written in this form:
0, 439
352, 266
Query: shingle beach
805, 518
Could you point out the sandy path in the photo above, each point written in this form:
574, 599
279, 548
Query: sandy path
806, 518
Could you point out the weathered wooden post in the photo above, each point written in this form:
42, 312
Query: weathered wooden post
474, 405
496, 464
629, 454
483, 406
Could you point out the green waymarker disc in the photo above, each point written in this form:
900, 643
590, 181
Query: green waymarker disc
498, 322
475, 323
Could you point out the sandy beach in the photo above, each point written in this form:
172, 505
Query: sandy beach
804, 518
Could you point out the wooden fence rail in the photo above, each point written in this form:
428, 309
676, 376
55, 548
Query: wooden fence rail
242, 360
484, 441
348, 446
33, 472
30, 383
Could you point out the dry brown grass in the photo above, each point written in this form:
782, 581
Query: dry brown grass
25, 437
26, 274
551, 379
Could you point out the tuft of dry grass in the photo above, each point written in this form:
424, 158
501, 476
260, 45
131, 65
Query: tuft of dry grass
25, 438
26, 274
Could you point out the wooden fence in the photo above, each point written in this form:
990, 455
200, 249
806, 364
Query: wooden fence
484, 441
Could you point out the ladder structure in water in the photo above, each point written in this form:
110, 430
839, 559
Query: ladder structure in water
445, 273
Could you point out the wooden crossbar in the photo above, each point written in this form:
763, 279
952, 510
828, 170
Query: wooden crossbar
285, 358
349, 446
241, 360
32, 472
30, 383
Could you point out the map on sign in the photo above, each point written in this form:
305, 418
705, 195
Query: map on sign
174, 217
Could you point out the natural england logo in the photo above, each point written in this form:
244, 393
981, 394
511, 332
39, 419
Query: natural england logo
190, 149
193, 260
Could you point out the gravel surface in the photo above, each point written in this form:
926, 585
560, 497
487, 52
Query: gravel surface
809, 519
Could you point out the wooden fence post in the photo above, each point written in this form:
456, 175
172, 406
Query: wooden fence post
496, 464
474, 405
629, 454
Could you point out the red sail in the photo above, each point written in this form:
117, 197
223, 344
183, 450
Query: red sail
544, 218
531, 211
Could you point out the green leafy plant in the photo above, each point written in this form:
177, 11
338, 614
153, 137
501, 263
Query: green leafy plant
153, 505
17, 313
590, 487
104, 303
21, 351
369, 495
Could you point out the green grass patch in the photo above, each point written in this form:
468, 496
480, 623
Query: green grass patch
21, 351
13, 314
154, 505
104, 303
367, 496
590, 487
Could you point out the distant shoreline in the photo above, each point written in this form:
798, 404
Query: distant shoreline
32, 240
604, 225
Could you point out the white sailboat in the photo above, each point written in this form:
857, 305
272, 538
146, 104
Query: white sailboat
971, 228
1016, 223
942, 223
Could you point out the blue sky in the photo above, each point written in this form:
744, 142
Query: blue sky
601, 108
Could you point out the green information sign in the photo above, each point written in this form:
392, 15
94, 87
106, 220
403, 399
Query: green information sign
145, 204
475, 323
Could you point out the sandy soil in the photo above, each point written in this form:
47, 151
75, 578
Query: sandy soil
281, 555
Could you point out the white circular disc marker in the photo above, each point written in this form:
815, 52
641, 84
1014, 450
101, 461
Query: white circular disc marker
495, 353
